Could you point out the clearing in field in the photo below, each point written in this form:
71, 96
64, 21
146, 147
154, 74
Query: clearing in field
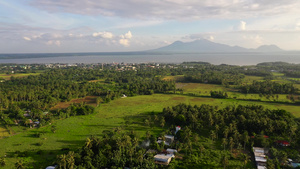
174, 78
3, 132
199, 87
7, 76
90, 100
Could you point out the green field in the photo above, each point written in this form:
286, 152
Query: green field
72, 132
200, 89
7, 76
3, 132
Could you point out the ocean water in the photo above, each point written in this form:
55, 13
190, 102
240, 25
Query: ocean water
214, 58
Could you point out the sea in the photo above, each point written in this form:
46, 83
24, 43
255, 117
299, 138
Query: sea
150, 57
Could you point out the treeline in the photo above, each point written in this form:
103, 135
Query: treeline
214, 77
115, 149
218, 94
232, 121
268, 87
295, 74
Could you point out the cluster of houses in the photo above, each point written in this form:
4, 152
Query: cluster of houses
260, 155
166, 156
31, 123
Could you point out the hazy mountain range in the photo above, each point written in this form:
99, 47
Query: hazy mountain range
206, 46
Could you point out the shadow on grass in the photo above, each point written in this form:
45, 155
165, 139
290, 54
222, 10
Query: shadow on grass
40, 158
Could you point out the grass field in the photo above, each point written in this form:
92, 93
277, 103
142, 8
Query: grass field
72, 132
175, 78
7, 76
3, 132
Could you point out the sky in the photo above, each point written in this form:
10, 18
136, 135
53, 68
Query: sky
58, 26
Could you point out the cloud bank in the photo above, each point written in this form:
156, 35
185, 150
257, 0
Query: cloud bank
170, 9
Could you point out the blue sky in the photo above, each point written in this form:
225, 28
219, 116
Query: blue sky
33, 26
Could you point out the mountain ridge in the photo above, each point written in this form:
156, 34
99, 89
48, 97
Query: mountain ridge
207, 46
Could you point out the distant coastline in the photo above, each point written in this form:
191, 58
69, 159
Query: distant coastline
235, 58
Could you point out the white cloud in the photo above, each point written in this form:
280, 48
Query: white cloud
128, 35
242, 25
27, 38
53, 42
105, 35
124, 42
171, 9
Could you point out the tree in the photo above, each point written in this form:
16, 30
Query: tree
2, 162
217, 129
19, 164
245, 158
224, 142
245, 138
231, 143
53, 128
62, 161
162, 122
213, 135
201, 149
71, 160
226, 132
224, 161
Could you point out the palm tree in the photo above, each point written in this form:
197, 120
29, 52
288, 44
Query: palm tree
245, 159
231, 143
226, 132
245, 138
88, 143
201, 149
19, 164
224, 142
162, 122
71, 160
213, 135
224, 161
62, 161
2, 161
131, 152
148, 134
217, 129
135, 142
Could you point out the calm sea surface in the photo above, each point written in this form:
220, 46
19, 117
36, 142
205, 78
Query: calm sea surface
214, 58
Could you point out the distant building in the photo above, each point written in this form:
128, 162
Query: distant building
283, 143
163, 159
260, 157
177, 129
171, 151
168, 140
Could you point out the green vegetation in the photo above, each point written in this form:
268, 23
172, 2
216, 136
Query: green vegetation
49, 118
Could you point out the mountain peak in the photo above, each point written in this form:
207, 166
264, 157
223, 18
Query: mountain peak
269, 48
